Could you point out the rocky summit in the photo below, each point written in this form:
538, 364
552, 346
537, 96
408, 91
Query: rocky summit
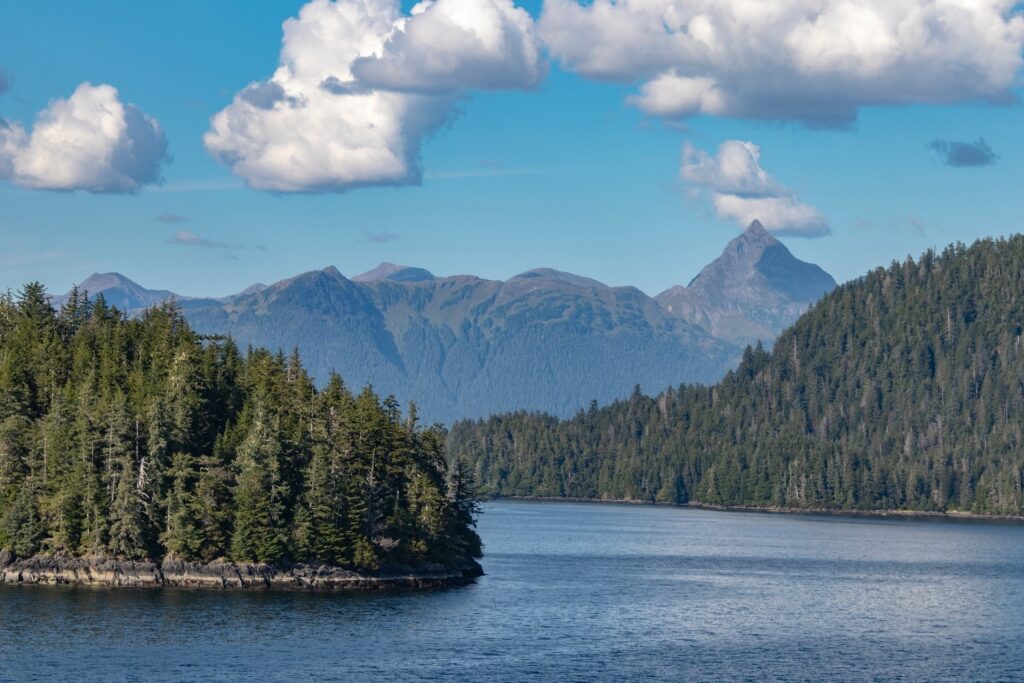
751, 293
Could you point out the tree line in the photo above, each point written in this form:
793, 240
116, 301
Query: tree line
137, 438
903, 389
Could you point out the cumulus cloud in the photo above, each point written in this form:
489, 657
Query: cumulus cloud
964, 154
450, 46
742, 191
360, 86
90, 141
817, 61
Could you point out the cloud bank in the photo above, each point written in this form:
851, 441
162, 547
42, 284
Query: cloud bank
90, 141
816, 61
360, 86
742, 191
964, 154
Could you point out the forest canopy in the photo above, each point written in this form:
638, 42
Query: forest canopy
903, 389
136, 438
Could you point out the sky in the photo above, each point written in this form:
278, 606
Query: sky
202, 147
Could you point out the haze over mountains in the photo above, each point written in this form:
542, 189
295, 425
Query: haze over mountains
463, 346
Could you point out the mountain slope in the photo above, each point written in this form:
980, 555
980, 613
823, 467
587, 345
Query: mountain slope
120, 292
395, 273
750, 293
543, 340
464, 346
901, 390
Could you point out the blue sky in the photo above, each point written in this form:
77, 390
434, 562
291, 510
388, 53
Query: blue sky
565, 174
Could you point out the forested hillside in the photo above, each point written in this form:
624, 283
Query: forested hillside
138, 439
901, 390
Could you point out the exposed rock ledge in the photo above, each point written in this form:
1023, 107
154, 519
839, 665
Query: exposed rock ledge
106, 572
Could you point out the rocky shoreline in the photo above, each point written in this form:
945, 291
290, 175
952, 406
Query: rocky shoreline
106, 572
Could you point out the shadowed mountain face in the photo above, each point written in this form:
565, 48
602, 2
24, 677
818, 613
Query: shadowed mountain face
463, 346
752, 292
544, 340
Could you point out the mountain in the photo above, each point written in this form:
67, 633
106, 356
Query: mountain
752, 292
394, 273
132, 298
464, 346
899, 390
119, 291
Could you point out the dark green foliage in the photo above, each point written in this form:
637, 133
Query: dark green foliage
137, 438
903, 389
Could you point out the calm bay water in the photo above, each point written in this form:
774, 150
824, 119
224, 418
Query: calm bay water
583, 592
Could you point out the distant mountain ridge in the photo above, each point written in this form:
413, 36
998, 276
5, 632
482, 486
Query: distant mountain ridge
394, 273
119, 291
463, 346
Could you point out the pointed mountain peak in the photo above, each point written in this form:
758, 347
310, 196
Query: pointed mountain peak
395, 273
755, 228
331, 270
755, 234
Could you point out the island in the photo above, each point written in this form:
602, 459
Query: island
135, 452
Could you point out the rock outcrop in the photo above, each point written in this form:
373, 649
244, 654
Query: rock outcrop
107, 572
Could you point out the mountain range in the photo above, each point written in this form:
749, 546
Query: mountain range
463, 346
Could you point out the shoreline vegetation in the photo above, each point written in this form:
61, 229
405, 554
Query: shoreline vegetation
949, 515
135, 452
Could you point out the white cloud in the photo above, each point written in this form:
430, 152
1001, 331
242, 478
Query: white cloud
673, 96
360, 86
453, 45
742, 191
817, 61
90, 141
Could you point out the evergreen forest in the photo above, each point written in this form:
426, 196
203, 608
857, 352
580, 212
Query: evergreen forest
136, 438
903, 389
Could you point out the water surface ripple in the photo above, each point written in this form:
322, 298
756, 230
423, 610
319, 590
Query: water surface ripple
578, 592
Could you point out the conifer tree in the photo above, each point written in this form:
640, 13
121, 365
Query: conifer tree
260, 532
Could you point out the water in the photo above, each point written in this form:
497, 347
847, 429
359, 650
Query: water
579, 593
